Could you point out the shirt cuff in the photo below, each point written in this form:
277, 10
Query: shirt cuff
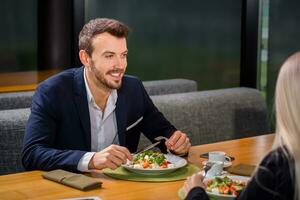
83, 164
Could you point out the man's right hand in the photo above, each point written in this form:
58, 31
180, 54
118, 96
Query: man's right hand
111, 157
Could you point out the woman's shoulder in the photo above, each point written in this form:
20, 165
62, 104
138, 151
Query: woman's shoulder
279, 157
272, 179
276, 171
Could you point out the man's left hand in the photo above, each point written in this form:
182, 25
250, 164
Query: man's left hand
178, 143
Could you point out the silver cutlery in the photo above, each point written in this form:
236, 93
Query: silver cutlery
159, 138
207, 167
148, 147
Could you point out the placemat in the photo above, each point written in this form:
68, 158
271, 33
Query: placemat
180, 174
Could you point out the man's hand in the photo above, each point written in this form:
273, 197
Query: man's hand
111, 157
179, 143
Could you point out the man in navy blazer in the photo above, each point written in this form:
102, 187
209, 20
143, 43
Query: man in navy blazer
92, 117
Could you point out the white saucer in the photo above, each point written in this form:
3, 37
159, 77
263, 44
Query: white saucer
224, 173
226, 163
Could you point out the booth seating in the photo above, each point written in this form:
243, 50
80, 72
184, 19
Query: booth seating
215, 115
206, 116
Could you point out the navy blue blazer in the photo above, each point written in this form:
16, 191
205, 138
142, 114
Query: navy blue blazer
58, 131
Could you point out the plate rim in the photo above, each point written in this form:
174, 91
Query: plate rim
226, 195
157, 170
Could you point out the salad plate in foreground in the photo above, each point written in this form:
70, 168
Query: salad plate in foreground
225, 187
154, 163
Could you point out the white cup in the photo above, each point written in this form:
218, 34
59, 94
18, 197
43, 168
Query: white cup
216, 169
214, 156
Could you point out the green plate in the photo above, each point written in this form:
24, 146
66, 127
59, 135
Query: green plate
179, 174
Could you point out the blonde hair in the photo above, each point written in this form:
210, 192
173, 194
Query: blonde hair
287, 105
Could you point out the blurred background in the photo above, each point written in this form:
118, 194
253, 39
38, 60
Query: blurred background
219, 44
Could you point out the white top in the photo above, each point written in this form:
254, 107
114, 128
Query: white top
103, 126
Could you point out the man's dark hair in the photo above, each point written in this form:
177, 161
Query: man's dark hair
97, 26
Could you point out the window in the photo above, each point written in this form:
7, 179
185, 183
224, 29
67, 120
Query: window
198, 40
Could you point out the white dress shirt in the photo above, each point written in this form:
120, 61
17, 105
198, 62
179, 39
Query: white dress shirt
103, 125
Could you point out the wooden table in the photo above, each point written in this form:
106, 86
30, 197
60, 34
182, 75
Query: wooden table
30, 185
24, 81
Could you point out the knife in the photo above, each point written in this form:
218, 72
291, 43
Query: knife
148, 147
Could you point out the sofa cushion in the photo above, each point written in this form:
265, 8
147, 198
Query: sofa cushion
215, 115
14, 100
170, 86
12, 126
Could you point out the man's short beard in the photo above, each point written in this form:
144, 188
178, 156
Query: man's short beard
100, 78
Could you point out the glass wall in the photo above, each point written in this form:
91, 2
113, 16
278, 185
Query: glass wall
198, 40
284, 40
18, 35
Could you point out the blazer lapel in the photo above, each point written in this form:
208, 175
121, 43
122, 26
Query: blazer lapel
80, 97
121, 117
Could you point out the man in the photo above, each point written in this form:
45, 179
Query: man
91, 117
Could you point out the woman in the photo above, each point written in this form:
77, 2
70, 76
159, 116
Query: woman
278, 175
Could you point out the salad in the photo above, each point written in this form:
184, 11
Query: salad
151, 160
225, 185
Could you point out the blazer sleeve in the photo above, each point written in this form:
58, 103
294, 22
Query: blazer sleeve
154, 122
39, 140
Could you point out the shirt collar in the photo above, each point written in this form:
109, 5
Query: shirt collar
112, 99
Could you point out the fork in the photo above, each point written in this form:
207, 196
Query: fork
160, 138
207, 167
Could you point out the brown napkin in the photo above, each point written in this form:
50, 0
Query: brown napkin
78, 181
242, 169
